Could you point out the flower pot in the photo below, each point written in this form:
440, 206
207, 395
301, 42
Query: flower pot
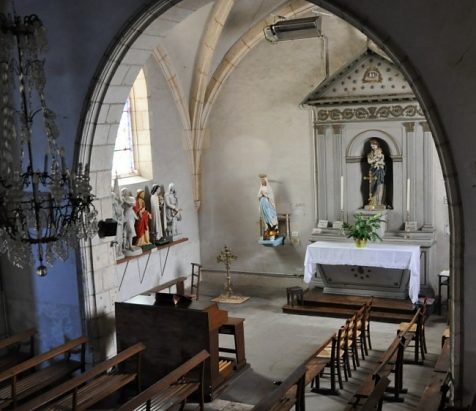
360, 242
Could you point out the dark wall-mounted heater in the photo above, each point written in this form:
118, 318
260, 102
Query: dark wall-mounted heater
294, 29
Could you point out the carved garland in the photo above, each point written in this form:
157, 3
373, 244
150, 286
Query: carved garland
369, 113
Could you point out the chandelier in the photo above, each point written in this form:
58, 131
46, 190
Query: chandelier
44, 206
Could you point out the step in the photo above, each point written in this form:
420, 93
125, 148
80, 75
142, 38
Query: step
316, 297
344, 312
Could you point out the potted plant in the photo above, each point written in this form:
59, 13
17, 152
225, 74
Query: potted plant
364, 228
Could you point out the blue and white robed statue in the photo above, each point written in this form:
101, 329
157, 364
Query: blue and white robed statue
267, 209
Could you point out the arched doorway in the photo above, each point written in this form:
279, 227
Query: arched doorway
110, 91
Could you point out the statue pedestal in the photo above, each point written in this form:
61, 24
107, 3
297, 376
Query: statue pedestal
135, 251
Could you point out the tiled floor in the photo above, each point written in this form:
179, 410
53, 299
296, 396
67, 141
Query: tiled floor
277, 343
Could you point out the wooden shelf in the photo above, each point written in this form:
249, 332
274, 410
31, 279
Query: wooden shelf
159, 247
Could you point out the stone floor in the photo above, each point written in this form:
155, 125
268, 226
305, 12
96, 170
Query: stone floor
277, 343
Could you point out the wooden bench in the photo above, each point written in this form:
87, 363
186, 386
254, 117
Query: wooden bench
280, 400
435, 394
315, 364
174, 389
178, 282
415, 331
11, 348
373, 388
23, 380
90, 387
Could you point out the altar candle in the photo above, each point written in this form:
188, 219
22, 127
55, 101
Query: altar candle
341, 192
408, 195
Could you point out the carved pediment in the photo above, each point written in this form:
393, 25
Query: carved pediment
368, 78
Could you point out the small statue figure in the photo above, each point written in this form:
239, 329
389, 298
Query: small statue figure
172, 210
130, 218
142, 222
267, 208
118, 211
376, 177
157, 208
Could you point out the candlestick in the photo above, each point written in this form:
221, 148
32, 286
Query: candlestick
408, 195
341, 192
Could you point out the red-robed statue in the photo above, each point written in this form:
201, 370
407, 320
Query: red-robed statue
142, 223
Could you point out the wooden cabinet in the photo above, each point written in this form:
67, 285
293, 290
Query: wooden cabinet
172, 335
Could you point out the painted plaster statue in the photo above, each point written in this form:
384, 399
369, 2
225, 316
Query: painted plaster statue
376, 161
172, 210
157, 208
130, 218
142, 222
267, 207
118, 211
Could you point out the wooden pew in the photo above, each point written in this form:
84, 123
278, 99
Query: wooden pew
316, 363
90, 387
415, 331
178, 282
280, 400
391, 361
435, 393
174, 389
11, 348
22, 380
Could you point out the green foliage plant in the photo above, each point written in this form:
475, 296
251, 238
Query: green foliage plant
364, 228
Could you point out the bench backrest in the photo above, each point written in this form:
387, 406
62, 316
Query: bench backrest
275, 396
178, 282
18, 338
41, 358
419, 315
396, 349
165, 382
373, 401
83, 378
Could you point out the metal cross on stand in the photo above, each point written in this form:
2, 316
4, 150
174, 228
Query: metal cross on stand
226, 257
371, 179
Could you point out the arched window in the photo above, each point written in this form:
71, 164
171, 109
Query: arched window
123, 160
132, 152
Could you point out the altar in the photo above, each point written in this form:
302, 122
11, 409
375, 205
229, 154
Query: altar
382, 270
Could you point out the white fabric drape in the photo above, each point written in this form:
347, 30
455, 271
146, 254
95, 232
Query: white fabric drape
374, 255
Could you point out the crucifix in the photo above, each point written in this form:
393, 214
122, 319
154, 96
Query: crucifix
226, 257
371, 178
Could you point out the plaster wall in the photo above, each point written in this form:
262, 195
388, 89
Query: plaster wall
258, 127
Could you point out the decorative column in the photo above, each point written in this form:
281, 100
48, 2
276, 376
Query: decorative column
320, 171
338, 172
410, 174
428, 223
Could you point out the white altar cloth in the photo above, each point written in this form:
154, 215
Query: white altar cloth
374, 255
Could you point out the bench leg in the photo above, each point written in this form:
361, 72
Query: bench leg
240, 346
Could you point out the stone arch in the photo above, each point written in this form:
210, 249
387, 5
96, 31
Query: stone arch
355, 146
95, 146
377, 34
101, 114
